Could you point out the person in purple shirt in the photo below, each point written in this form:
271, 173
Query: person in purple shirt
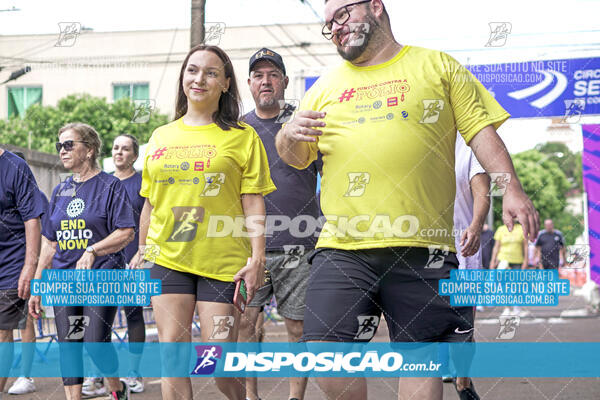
89, 222
21, 207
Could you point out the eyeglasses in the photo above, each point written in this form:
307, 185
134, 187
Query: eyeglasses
67, 144
340, 17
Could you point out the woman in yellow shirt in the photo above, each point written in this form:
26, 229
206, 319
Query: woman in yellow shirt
201, 228
510, 249
510, 252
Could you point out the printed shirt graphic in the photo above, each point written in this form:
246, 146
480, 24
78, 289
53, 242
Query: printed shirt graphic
194, 177
99, 207
296, 189
132, 186
20, 200
388, 147
511, 244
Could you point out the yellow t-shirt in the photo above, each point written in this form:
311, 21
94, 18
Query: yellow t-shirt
511, 244
194, 177
388, 147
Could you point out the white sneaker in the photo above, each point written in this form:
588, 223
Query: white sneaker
88, 382
135, 383
93, 387
22, 386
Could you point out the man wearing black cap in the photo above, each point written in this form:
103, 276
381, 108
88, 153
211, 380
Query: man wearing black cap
287, 269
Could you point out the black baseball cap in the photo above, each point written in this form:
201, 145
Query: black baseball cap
269, 55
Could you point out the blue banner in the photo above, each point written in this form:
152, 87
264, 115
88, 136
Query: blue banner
504, 287
312, 359
549, 88
565, 88
98, 287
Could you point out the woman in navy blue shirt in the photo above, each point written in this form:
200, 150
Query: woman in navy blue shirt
89, 222
125, 152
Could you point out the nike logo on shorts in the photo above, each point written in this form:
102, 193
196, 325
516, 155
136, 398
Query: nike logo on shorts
466, 331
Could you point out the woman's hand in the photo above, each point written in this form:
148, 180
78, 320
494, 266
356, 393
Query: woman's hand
86, 261
253, 275
494, 264
137, 261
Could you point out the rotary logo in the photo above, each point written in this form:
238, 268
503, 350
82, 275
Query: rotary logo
75, 208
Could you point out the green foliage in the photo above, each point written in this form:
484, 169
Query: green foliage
14, 132
569, 162
110, 120
571, 226
546, 185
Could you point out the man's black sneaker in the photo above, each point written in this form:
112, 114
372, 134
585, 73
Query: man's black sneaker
467, 393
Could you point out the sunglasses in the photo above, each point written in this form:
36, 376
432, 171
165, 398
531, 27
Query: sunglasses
67, 144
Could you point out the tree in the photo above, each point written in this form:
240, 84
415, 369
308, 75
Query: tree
197, 23
546, 185
569, 162
110, 120
13, 132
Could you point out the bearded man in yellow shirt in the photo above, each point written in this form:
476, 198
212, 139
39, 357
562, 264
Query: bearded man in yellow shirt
385, 121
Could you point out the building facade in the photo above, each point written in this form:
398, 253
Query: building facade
145, 64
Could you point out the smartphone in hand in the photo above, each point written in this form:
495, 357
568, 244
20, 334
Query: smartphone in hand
240, 296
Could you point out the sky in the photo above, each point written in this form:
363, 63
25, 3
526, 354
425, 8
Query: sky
428, 20
541, 29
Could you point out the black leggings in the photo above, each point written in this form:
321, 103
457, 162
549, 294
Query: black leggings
83, 324
136, 328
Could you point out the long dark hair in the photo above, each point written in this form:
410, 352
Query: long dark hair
228, 114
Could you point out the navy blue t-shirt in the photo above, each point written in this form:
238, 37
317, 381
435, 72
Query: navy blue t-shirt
295, 195
20, 201
132, 186
550, 243
83, 213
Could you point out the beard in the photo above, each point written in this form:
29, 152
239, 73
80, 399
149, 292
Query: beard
268, 102
351, 53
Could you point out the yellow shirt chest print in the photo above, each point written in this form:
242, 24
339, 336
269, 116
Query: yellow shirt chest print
388, 148
194, 178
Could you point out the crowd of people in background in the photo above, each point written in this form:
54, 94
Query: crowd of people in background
262, 164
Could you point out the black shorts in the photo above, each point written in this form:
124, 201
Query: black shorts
349, 290
549, 265
13, 310
205, 289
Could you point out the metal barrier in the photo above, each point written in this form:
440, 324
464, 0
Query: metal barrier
46, 328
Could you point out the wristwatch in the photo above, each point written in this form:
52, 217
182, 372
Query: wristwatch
90, 249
